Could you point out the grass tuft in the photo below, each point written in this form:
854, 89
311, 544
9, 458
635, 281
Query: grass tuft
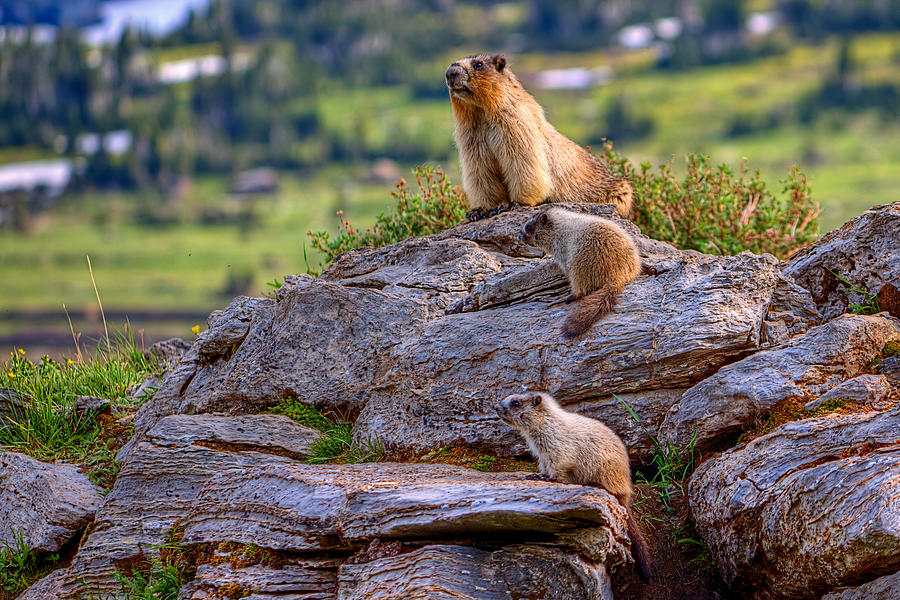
336, 444
869, 304
20, 567
671, 465
46, 428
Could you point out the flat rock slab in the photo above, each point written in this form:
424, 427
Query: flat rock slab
864, 251
159, 484
450, 572
343, 507
721, 406
46, 504
306, 579
863, 389
883, 588
806, 508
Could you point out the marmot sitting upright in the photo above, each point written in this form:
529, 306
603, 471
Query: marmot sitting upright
597, 256
510, 154
572, 448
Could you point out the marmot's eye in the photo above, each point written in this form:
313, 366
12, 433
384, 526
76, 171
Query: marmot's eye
515, 403
479, 65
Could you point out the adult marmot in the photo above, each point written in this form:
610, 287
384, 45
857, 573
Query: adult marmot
510, 154
597, 256
572, 448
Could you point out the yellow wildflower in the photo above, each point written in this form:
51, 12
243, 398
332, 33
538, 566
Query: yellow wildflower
21, 351
196, 329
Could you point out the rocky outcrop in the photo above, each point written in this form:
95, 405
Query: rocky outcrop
421, 338
160, 482
417, 341
721, 406
45, 504
863, 251
806, 508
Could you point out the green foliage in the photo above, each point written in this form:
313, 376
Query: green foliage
700, 547
869, 304
484, 463
438, 205
46, 429
714, 210
891, 349
672, 465
20, 567
336, 443
159, 582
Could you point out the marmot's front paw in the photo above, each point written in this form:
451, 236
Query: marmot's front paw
476, 214
502, 208
571, 298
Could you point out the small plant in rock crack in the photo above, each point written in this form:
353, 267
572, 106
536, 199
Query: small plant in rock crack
20, 566
869, 304
336, 443
671, 465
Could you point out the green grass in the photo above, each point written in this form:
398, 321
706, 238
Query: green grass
670, 465
20, 567
336, 444
47, 431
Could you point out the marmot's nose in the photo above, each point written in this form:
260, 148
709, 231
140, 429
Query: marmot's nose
454, 71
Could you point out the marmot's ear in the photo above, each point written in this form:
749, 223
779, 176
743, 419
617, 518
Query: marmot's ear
499, 62
542, 219
536, 400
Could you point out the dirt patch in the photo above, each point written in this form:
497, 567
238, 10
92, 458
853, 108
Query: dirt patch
683, 568
471, 458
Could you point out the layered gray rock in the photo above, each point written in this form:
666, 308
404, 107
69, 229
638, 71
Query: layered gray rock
883, 588
159, 483
13, 405
863, 251
447, 572
421, 338
806, 508
306, 579
45, 504
721, 406
863, 389
342, 507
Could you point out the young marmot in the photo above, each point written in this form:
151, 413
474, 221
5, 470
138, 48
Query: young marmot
572, 448
597, 256
510, 154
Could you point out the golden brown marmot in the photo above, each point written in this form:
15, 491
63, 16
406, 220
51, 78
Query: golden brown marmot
510, 154
597, 256
572, 448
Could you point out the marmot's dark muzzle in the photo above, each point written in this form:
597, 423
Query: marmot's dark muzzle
455, 73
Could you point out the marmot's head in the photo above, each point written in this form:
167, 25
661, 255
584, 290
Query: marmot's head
477, 79
523, 411
538, 231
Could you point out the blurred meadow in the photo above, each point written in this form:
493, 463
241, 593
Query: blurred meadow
188, 147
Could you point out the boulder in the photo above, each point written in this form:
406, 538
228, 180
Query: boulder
863, 389
46, 504
863, 251
883, 588
168, 352
159, 483
890, 369
719, 407
806, 508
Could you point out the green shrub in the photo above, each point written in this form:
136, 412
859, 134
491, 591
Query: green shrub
714, 210
438, 205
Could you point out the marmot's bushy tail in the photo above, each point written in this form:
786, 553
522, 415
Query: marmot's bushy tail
588, 311
623, 196
639, 549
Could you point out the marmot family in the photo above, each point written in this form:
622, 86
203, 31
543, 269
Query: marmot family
510, 154
572, 448
597, 256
